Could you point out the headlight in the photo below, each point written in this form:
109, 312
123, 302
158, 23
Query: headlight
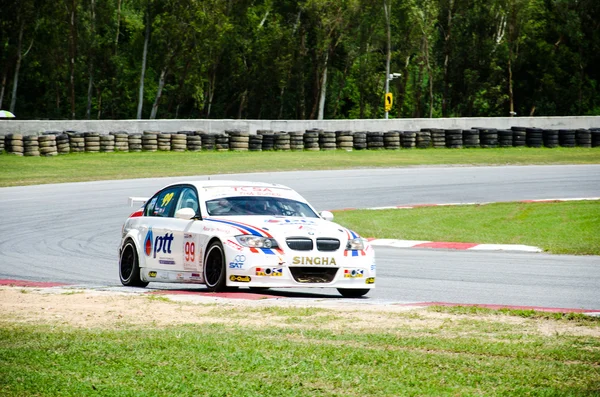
256, 241
356, 244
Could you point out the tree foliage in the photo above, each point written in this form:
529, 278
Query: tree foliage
302, 59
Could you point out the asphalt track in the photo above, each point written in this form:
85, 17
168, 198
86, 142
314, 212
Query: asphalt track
70, 232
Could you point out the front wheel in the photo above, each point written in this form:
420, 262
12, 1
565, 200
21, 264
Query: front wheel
129, 266
352, 292
214, 268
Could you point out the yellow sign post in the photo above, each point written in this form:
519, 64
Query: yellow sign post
389, 100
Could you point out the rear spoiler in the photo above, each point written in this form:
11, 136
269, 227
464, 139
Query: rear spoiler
137, 200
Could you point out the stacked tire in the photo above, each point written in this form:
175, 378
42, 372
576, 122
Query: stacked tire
238, 140
76, 141
296, 141
344, 140
550, 138
2, 144
391, 140
360, 140
14, 144
121, 141
255, 143
519, 136
222, 142
268, 139
488, 138
63, 145
534, 137
194, 142
311, 140
438, 138
566, 138
327, 140
179, 142
423, 139
583, 138
150, 141
408, 139
505, 138
107, 143
47, 144
282, 141
595, 137
375, 140
209, 141
31, 145
135, 142
164, 142
454, 139
471, 138
92, 142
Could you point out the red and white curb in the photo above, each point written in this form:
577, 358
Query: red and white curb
411, 206
453, 245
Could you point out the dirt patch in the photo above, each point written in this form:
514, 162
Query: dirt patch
110, 310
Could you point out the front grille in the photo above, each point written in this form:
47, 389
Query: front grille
313, 274
299, 244
328, 244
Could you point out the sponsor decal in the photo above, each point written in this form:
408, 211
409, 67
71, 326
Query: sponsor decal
152, 274
234, 245
370, 280
309, 260
354, 273
166, 261
240, 279
161, 244
267, 271
148, 242
373, 267
195, 276
290, 221
238, 262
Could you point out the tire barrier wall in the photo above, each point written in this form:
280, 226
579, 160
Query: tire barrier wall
52, 143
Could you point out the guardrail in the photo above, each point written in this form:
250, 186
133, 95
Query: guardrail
52, 143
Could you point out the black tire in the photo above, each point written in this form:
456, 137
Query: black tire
214, 268
353, 292
129, 266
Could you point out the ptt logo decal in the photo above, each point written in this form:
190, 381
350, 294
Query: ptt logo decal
240, 279
160, 244
354, 273
238, 262
267, 271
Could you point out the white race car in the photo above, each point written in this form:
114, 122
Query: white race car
228, 234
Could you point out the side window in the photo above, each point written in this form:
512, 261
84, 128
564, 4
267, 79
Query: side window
163, 203
188, 199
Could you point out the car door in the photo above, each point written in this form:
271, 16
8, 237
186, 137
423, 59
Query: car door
188, 242
159, 245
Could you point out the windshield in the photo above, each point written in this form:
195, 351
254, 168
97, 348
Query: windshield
259, 206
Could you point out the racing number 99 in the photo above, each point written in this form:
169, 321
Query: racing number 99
190, 251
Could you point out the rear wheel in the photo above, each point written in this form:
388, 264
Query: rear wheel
352, 292
129, 267
214, 268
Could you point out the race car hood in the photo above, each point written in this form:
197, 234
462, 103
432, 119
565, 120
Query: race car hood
283, 227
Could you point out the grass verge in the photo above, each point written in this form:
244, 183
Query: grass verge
306, 352
106, 166
556, 227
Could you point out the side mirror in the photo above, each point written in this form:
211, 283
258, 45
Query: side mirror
328, 216
185, 213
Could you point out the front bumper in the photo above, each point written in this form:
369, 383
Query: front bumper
269, 268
